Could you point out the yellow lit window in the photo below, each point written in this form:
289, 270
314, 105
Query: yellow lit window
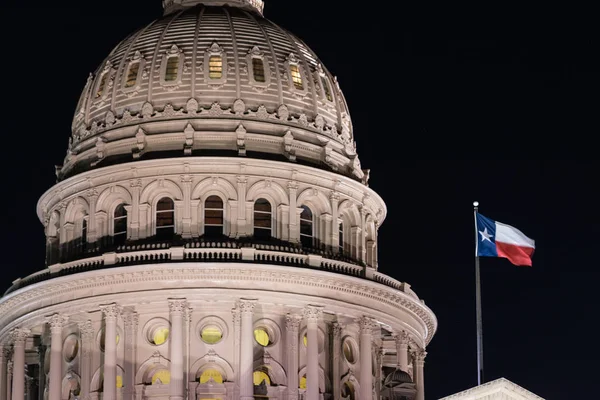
163, 375
326, 89
211, 334
259, 377
132, 74
296, 77
101, 85
302, 384
160, 336
215, 67
262, 337
305, 341
172, 69
211, 373
258, 68
119, 381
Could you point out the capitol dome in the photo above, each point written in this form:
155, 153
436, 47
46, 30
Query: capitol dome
212, 77
211, 234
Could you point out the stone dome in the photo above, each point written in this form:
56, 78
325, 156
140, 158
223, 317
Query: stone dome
397, 377
212, 78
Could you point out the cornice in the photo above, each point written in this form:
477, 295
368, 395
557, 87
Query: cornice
498, 384
15, 306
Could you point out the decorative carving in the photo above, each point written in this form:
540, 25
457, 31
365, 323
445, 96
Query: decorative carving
192, 106
419, 356
247, 305
303, 120
401, 338
215, 110
189, 139
319, 122
366, 325
56, 322
169, 111
19, 336
283, 112
241, 140
262, 112
288, 141
86, 329
292, 322
177, 306
337, 329
109, 119
111, 311
239, 107
147, 110
140, 138
313, 313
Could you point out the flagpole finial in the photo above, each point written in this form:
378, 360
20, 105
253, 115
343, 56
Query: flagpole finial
475, 204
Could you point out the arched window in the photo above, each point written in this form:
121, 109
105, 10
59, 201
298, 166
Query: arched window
258, 69
101, 85
213, 216
262, 218
341, 238
120, 225
211, 373
215, 67
326, 88
165, 218
306, 227
172, 70
296, 76
132, 74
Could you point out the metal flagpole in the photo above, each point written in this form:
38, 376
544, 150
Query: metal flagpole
478, 303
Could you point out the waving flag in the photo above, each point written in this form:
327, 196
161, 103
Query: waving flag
495, 239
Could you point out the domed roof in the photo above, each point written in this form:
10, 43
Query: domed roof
397, 377
212, 77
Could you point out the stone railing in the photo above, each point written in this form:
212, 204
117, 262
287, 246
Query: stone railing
207, 251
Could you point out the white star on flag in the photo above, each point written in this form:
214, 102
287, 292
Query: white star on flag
485, 235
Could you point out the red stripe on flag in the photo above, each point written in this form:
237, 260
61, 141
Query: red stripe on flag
518, 255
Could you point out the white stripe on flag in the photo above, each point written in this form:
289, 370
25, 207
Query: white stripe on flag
511, 235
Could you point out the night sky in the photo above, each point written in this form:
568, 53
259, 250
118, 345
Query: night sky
450, 104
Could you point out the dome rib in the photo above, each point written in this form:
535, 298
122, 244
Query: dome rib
195, 50
156, 54
238, 90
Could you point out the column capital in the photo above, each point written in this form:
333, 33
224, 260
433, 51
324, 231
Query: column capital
57, 322
111, 311
366, 325
419, 356
86, 329
131, 319
177, 306
337, 328
18, 336
313, 313
401, 338
236, 314
292, 321
247, 305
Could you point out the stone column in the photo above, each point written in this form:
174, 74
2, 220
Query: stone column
334, 198
134, 221
401, 340
187, 323
111, 314
242, 221
337, 348
19, 336
56, 322
176, 310
41, 350
292, 324
86, 332
312, 314
186, 181
9, 371
293, 222
419, 362
92, 196
379, 354
366, 326
246, 349
362, 251
130, 322
236, 348
4, 353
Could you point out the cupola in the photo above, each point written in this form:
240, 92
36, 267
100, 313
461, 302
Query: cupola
174, 5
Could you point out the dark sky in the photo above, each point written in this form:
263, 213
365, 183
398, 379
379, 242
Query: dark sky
450, 104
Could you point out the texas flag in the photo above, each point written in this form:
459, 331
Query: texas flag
495, 239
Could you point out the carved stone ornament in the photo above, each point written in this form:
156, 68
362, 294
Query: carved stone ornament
177, 306
239, 107
86, 329
56, 322
283, 112
292, 59
111, 311
313, 313
337, 329
292, 322
131, 319
419, 356
147, 110
247, 305
19, 336
192, 106
402, 338
366, 325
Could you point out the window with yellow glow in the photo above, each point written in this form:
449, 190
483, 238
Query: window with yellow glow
163, 375
160, 336
296, 77
302, 384
262, 337
259, 377
326, 88
258, 69
209, 374
215, 67
305, 340
101, 85
119, 381
211, 334
172, 69
132, 74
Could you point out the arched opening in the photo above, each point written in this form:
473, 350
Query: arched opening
306, 227
211, 373
120, 225
348, 391
165, 218
213, 216
341, 238
262, 219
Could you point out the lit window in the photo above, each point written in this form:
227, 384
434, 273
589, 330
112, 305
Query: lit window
132, 74
258, 69
213, 216
211, 334
306, 227
259, 377
159, 336
302, 384
209, 374
172, 70
101, 85
296, 77
163, 376
326, 88
120, 224
165, 217
215, 67
262, 337
262, 218
349, 352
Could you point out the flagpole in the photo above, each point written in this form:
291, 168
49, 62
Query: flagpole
478, 302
